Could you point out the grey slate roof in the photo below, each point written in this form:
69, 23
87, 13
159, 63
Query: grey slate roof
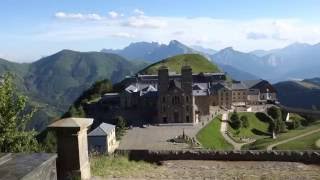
131, 89
251, 83
103, 129
204, 92
238, 86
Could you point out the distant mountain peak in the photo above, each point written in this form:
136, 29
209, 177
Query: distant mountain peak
297, 45
152, 51
228, 49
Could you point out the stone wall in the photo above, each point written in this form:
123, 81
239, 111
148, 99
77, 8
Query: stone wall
28, 166
288, 156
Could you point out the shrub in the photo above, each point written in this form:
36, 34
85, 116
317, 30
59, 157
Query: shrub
245, 121
235, 121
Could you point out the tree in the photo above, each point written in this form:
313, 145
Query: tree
274, 112
235, 120
120, 126
277, 125
245, 121
13, 119
295, 123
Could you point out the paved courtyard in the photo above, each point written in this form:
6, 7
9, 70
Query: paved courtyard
155, 137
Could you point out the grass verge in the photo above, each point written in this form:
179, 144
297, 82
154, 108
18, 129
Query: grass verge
304, 143
118, 165
263, 143
210, 136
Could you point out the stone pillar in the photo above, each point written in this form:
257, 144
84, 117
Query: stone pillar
73, 158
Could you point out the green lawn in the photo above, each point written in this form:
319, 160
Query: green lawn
256, 129
304, 143
263, 143
210, 136
103, 165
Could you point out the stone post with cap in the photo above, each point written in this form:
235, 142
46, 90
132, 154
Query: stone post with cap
73, 158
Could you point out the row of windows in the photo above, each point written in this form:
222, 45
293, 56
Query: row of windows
239, 93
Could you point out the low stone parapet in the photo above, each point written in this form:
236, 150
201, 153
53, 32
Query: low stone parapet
312, 157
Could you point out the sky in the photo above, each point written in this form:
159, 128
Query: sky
31, 29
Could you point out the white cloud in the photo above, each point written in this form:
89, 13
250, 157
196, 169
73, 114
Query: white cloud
123, 35
114, 14
78, 16
205, 31
256, 36
145, 22
138, 12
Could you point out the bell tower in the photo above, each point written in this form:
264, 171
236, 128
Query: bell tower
163, 84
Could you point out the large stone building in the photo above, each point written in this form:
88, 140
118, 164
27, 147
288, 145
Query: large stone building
188, 97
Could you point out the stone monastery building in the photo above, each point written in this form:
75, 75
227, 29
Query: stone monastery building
188, 97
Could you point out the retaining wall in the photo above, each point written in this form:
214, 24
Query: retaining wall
312, 157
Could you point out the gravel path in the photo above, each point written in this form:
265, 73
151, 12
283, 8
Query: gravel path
270, 147
224, 129
221, 170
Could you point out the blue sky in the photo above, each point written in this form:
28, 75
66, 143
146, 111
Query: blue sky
31, 29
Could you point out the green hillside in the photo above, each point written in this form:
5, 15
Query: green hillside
196, 61
53, 83
307, 91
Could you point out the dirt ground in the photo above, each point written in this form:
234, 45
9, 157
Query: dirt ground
186, 169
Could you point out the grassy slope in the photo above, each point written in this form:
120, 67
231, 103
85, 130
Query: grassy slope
304, 143
196, 61
119, 165
255, 126
210, 136
263, 143
308, 92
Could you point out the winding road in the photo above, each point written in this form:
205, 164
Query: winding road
270, 147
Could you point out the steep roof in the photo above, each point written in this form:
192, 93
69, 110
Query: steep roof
102, 130
218, 86
238, 86
251, 83
131, 89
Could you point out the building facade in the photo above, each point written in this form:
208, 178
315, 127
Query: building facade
103, 139
187, 97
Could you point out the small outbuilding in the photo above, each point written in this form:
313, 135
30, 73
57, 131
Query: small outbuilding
103, 139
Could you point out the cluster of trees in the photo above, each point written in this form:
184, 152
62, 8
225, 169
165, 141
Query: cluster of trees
238, 122
13, 119
95, 91
274, 117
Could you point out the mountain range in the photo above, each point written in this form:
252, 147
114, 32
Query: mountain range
296, 61
54, 82
300, 94
152, 52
